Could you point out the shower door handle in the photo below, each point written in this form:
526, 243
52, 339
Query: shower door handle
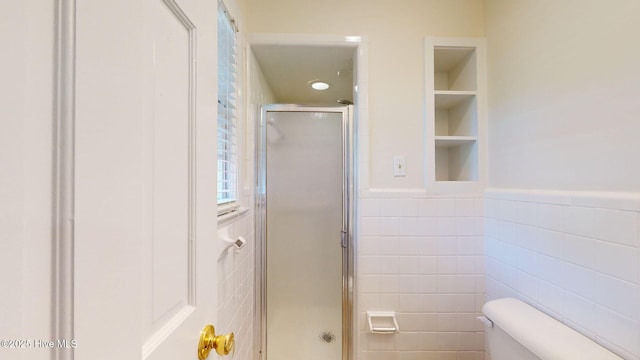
344, 242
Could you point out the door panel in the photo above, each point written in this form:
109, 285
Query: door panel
170, 202
144, 195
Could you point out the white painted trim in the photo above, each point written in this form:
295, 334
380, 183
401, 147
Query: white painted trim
63, 178
624, 201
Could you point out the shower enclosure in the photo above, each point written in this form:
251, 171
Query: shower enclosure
304, 217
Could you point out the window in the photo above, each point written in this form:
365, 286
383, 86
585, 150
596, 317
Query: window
227, 127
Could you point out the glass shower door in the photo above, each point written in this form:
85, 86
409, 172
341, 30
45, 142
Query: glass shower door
304, 219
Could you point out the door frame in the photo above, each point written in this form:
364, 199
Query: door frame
348, 224
63, 177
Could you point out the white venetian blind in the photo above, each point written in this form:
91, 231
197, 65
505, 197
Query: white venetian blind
227, 137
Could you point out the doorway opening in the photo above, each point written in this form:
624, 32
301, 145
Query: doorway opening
305, 200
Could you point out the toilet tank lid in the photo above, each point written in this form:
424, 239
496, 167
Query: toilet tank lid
544, 336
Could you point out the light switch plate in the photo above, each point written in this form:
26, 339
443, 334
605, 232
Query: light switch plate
399, 165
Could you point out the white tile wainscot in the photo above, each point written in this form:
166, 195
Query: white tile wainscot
235, 278
574, 255
422, 256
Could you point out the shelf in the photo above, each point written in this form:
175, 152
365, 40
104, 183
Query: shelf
458, 161
451, 99
450, 57
455, 121
453, 141
454, 68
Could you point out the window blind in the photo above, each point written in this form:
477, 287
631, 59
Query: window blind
227, 136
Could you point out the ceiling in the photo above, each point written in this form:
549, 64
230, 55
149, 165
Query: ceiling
289, 69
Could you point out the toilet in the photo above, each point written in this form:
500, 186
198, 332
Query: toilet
518, 331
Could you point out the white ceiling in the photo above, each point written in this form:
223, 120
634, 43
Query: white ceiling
290, 68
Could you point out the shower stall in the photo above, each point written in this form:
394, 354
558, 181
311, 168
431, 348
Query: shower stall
304, 220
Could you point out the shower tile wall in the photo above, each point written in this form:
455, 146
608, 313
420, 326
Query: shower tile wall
235, 287
574, 255
422, 257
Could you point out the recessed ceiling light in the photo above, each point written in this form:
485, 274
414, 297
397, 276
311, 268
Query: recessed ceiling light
319, 85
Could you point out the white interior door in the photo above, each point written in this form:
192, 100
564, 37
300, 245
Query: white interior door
145, 204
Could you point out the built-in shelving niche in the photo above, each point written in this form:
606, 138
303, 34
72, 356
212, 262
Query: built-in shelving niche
453, 121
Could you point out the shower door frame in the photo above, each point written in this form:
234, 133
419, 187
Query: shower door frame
346, 237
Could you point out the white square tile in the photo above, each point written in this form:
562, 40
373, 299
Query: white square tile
447, 245
407, 284
427, 284
550, 243
580, 221
427, 208
617, 260
407, 303
408, 265
427, 226
620, 227
466, 207
429, 246
369, 284
388, 302
466, 226
619, 330
466, 343
446, 207
388, 284
428, 322
406, 341
447, 284
466, 284
410, 245
447, 341
527, 285
467, 322
618, 295
447, 322
551, 217
579, 250
371, 207
400, 207
507, 210
428, 265
579, 310
428, 303
550, 297
490, 208
408, 226
446, 303
466, 303
466, 245
466, 265
527, 261
526, 213
447, 265
446, 226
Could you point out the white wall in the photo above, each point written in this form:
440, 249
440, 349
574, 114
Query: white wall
26, 182
563, 81
395, 34
564, 84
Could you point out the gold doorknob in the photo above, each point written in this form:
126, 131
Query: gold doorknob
209, 341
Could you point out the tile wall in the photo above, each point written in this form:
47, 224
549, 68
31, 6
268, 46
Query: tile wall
421, 256
574, 255
236, 286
